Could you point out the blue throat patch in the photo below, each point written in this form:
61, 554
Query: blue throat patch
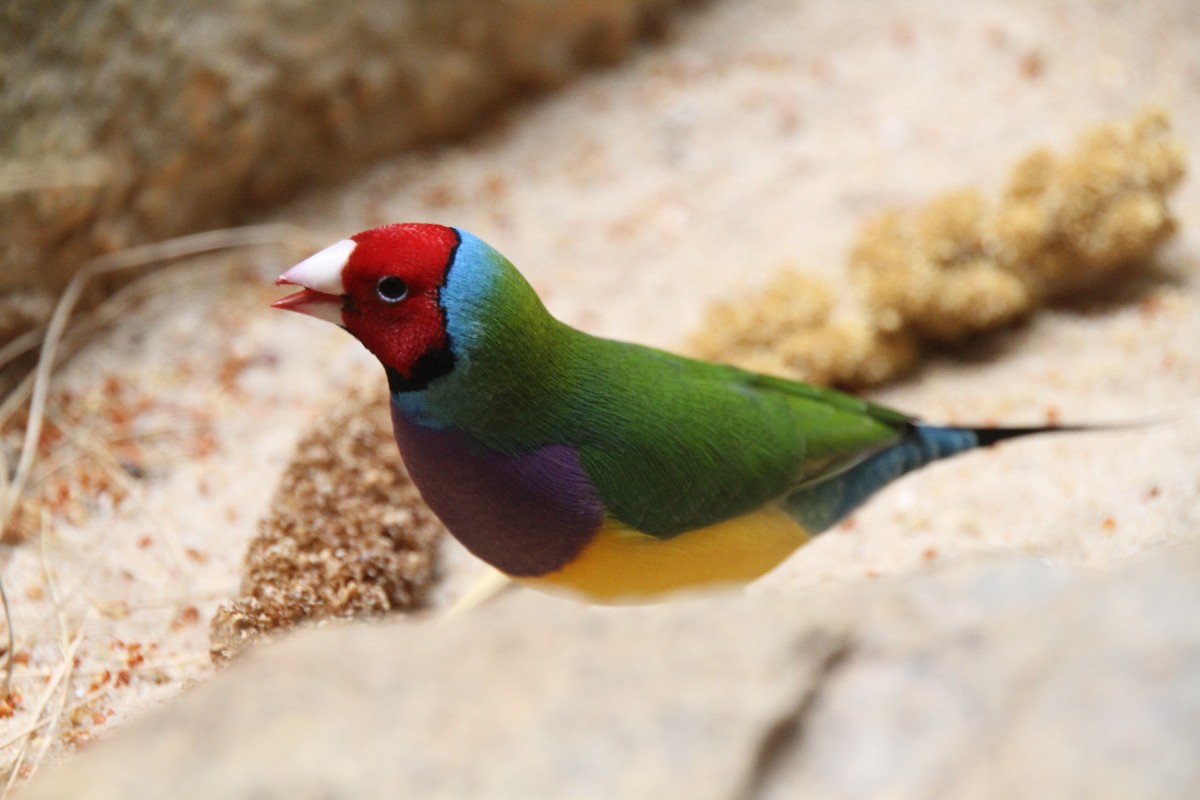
468, 280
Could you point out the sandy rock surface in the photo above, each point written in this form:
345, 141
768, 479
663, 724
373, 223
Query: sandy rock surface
997, 679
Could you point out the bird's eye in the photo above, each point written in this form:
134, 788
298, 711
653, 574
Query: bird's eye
391, 289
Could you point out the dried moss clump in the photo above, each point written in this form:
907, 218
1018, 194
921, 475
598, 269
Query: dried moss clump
932, 272
957, 267
796, 328
347, 534
1067, 224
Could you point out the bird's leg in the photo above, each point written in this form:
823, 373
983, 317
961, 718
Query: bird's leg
489, 584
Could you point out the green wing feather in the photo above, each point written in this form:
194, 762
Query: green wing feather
673, 444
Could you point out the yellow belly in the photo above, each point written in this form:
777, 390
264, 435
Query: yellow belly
622, 565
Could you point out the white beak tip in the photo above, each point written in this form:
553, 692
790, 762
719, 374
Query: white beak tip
322, 271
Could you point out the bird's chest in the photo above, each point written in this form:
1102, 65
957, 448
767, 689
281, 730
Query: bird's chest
526, 514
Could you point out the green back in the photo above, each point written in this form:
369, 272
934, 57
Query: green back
694, 443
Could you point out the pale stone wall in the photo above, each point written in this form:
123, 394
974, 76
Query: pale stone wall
124, 122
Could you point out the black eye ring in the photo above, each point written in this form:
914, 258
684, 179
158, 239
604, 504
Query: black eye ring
391, 289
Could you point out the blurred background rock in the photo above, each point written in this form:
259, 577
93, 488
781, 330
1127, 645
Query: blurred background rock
126, 122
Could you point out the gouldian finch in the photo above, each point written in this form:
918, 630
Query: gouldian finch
614, 471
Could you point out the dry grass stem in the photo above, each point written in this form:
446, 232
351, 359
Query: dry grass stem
106, 264
36, 386
56, 679
95, 448
59, 678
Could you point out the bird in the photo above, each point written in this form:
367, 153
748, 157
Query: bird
607, 470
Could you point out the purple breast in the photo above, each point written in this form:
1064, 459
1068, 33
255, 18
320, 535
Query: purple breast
526, 515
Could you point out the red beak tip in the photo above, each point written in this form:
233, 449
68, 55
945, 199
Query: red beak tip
312, 303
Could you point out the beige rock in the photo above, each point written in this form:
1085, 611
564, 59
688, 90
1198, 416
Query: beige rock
127, 122
999, 678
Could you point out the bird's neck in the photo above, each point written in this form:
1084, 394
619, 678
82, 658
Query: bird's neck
495, 384
510, 356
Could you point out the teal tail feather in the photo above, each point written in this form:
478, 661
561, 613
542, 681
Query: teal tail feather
822, 505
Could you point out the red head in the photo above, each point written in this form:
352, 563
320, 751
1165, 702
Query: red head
383, 286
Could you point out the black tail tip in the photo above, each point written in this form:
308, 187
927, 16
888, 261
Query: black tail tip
990, 436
